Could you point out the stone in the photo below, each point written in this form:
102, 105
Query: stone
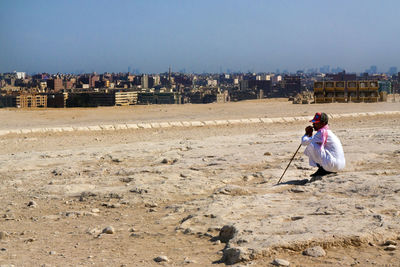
92, 128
188, 261
107, 127
297, 190
390, 242
316, 251
161, 258
95, 210
227, 232
280, 262
176, 123
151, 205
266, 120
126, 179
32, 204
233, 255
234, 122
295, 218
221, 122
196, 123
390, 248
169, 161
108, 230
209, 123
52, 253
247, 178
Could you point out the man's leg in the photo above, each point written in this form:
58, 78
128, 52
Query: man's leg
317, 156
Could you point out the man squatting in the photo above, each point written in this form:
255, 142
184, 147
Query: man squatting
324, 149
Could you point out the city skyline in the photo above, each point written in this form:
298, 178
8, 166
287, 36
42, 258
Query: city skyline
198, 36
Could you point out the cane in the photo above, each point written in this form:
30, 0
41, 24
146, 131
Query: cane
289, 163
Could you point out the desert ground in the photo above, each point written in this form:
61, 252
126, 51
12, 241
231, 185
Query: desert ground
197, 194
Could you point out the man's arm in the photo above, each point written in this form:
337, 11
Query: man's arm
307, 137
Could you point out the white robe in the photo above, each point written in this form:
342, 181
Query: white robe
329, 156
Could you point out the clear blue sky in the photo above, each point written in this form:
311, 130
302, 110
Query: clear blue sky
198, 35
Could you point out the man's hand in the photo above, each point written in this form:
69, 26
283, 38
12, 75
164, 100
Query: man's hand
309, 131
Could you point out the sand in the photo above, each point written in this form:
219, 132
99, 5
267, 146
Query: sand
169, 191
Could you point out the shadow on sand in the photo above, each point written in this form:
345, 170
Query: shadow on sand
302, 182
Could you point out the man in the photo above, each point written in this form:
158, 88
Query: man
324, 149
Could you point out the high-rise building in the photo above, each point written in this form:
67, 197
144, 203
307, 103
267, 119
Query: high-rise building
145, 81
392, 70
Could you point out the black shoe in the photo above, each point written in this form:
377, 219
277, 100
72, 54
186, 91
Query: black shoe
320, 172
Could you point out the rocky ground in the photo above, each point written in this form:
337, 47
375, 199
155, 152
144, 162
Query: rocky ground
137, 196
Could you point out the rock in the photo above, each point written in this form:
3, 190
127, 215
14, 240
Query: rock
247, 178
126, 179
56, 172
138, 190
280, 262
267, 154
297, 190
233, 255
3, 235
108, 230
169, 161
390, 248
151, 205
32, 204
316, 251
52, 253
85, 195
115, 195
161, 258
390, 242
188, 261
295, 218
95, 210
232, 190
227, 232
188, 231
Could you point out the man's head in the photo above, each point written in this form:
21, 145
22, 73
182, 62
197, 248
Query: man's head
320, 120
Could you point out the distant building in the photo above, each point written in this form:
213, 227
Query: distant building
212, 83
24, 101
20, 75
92, 81
55, 84
292, 85
145, 81
392, 70
342, 76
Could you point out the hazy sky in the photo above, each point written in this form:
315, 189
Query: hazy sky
198, 35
